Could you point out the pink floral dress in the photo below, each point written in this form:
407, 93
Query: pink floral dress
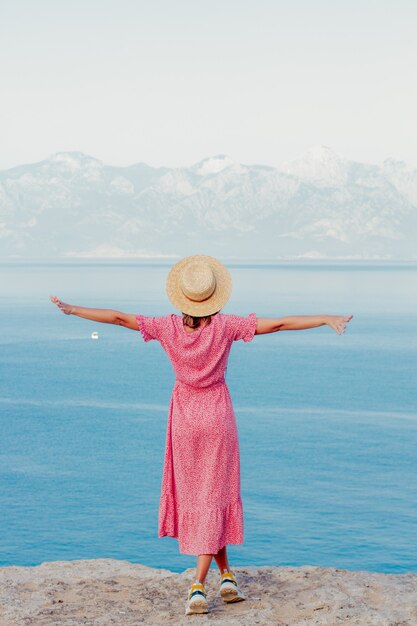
200, 501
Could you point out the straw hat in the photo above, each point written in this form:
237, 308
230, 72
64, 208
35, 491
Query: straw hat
199, 285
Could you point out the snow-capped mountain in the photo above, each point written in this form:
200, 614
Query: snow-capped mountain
319, 205
320, 165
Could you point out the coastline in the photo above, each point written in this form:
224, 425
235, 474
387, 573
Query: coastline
110, 591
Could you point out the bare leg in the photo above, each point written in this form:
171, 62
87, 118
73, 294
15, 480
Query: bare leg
222, 560
203, 566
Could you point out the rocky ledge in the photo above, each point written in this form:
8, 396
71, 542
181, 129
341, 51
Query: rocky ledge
104, 592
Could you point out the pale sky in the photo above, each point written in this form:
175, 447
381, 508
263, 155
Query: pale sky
170, 82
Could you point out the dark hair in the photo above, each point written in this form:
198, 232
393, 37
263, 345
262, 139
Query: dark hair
193, 321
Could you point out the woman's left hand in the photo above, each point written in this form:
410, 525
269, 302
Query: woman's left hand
338, 322
63, 306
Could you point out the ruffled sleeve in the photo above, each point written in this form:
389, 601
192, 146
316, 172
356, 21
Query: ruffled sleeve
242, 327
149, 327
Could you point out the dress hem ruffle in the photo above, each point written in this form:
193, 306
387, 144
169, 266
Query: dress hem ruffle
190, 527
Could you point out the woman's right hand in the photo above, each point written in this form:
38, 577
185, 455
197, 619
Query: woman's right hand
338, 322
63, 306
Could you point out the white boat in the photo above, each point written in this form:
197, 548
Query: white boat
94, 335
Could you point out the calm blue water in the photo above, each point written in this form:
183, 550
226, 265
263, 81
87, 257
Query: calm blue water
327, 423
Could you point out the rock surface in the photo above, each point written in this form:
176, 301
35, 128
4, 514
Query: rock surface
104, 592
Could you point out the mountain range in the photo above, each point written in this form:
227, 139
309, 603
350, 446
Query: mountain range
320, 205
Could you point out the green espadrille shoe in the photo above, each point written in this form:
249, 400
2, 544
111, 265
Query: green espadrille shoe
229, 590
196, 601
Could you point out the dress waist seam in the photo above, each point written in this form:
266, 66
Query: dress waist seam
179, 382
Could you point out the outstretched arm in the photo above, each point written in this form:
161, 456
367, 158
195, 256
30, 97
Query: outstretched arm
106, 316
301, 322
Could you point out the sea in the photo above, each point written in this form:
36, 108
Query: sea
327, 423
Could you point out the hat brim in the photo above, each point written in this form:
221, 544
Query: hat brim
212, 304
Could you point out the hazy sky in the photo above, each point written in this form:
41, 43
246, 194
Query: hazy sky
169, 82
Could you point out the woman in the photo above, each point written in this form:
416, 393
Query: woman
200, 501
